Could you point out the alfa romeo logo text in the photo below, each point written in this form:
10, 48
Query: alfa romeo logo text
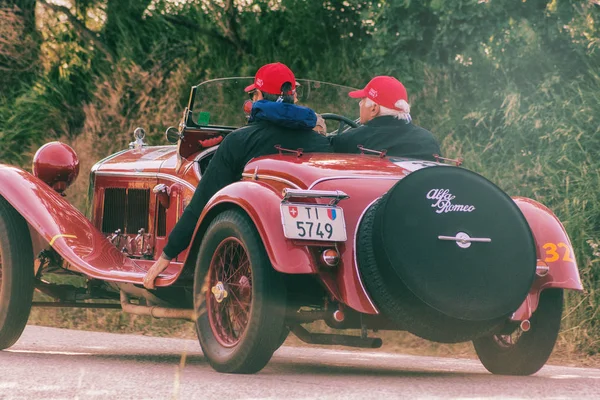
443, 202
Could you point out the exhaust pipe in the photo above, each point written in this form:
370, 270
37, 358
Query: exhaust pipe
156, 312
334, 339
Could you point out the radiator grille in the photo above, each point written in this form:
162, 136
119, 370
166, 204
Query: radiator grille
138, 201
162, 221
113, 215
125, 209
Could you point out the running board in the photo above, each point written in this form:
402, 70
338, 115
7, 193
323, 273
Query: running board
335, 340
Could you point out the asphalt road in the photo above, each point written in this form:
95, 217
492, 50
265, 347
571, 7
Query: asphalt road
50, 363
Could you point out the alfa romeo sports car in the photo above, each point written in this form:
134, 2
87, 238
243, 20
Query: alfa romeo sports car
363, 242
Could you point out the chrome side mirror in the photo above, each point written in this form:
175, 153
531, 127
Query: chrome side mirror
172, 135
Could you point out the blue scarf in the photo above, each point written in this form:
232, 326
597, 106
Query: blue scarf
283, 114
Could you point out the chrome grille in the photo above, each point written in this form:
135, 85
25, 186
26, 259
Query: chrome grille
125, 209
113, 215
137, 210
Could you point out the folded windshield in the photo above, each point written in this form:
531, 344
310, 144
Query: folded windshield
221, 101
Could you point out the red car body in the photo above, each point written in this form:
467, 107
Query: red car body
89, 247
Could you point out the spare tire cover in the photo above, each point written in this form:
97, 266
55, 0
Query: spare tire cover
473, 281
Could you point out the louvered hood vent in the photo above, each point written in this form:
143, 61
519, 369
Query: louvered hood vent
125, 209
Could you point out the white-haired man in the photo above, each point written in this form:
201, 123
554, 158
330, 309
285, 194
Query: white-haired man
385, 115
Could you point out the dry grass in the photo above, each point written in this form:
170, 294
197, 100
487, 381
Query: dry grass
127, 99
17, 50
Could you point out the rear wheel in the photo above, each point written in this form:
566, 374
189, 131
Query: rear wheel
16, 274
239, 297
524, 353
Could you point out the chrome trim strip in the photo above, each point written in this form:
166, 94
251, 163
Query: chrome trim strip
105, 159
200, 155
331, 178
269, 177
216, 128
335, 195
158, 175
89, 204
356, 257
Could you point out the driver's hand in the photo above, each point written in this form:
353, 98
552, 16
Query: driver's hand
321, 126
159, 266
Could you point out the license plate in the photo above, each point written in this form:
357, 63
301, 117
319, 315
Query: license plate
312, 222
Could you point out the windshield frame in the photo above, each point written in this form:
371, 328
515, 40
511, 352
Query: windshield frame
189, 121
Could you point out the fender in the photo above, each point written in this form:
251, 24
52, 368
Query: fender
554, 250
261, 202
65, 228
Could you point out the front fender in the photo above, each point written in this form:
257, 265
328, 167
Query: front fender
554, 250
65, 228
261, 203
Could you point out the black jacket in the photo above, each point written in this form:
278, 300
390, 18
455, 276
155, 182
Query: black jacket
399, 138
239, 147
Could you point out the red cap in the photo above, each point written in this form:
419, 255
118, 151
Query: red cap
270, 77
386, 91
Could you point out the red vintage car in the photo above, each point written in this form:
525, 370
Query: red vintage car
363, 242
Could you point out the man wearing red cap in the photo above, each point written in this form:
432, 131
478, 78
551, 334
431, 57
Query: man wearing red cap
274, 119
385, 115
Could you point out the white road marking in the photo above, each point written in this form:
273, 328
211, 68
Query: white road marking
44, 388
97, 392
62, 353
567, 377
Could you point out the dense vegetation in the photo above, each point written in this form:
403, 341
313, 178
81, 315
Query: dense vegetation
513, 87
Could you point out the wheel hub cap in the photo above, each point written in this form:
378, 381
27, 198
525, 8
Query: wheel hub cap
219, 291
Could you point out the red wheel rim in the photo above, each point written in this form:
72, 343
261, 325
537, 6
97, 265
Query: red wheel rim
229, 295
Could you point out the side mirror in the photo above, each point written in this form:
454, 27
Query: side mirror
172, 135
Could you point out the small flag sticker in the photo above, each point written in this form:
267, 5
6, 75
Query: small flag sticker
293, 211
331, 213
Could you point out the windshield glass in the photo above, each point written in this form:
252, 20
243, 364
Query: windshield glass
221, 101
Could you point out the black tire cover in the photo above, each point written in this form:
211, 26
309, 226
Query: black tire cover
481, 282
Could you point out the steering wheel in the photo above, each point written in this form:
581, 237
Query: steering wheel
342, 120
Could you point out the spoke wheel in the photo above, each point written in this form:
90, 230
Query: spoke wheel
16, 274
230, 296
524, 353
238, 297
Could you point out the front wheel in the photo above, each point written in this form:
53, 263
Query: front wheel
16, 274
238, 296
524, 353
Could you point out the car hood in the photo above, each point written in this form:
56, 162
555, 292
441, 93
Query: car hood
146, 159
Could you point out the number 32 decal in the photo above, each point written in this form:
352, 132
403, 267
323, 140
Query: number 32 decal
552, 253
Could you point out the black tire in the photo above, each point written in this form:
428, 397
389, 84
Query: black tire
400, 304
251, 349
284, 335
16, 274
532, 349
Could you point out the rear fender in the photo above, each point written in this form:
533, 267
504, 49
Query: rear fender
66, 229
554, 250
261, 203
